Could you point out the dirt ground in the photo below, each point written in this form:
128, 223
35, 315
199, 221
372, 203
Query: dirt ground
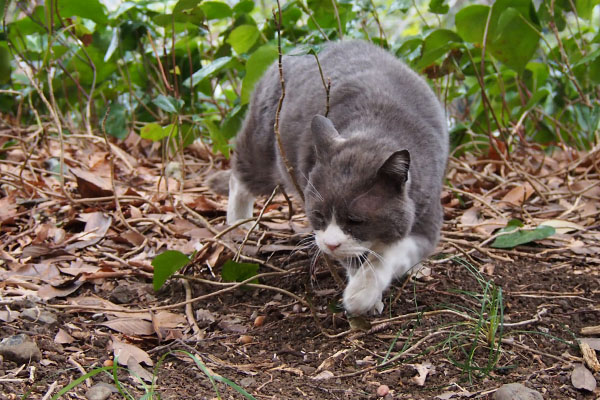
475, 317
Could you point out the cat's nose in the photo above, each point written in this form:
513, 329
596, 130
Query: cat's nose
332, 246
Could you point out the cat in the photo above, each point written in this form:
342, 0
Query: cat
371, 171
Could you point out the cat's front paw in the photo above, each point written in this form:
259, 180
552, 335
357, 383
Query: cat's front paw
362, 296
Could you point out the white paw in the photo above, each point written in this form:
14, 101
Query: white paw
362, 296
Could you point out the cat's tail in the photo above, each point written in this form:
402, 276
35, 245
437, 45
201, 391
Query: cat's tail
219, 182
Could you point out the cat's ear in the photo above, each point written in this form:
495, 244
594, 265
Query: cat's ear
395, 168
324, 134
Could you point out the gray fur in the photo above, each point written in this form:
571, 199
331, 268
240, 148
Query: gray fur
384, 121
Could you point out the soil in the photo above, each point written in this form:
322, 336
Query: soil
283, 355
475, 317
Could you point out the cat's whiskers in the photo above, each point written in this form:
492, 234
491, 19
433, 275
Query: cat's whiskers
311, 188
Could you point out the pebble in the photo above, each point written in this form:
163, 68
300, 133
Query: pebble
20, 349
247, 382
516, 391
34, 314
100, 391
383, 390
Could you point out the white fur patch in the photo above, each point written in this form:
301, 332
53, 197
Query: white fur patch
241, 201
366, 285
334, 242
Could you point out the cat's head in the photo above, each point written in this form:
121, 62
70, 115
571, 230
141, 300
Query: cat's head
356, 195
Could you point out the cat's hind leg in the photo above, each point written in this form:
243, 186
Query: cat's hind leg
241, 201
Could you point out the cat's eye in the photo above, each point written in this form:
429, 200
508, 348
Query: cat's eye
354, 220
318, 219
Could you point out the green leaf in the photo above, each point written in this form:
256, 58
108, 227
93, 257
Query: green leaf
436, 44
585, 8
116, 123
208, 71
154, 132
166, 264
183, 5
257, 64
237, 272
216, 10
470, 22
243, 38
233, 122
168, 103
90, 9
537, 97
219, 141
243, 7
438, 7
522, 236
515, 42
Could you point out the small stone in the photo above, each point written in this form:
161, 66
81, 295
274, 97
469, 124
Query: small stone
383, 390
20, 349
100, 391
247, 382
516, 391
36, 315
122, 294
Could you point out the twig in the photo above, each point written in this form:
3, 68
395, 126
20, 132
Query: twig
55, 383
112, 176
256, 222
189, 312
88, 381
284, 158
337, 17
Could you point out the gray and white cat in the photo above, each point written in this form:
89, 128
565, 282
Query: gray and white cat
371, 172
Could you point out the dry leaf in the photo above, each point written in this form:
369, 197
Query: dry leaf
48, 291
589, 356
96, 226
138, 372
123, 351
470, 217
91, 185
561, 226
63, 337
518, 195
582, 378
329, 362
422, 370
594, 343
130, 326
323, 375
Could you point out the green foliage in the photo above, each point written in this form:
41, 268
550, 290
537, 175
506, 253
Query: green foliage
172, 63
238, 272
166, 264
513, 235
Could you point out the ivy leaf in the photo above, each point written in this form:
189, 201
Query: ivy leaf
90, 9
257, 64
168, 103
438, 7
238, 272
243, 38
216, 10
116, 123
470, 22
208, 71
153, 131
243, 7
436, 44
518, 237
166, 264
